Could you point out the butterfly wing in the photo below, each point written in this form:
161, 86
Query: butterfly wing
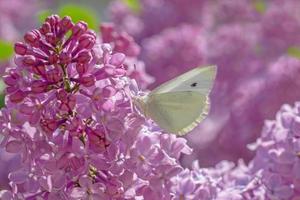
177, 112
198, 80
181, 103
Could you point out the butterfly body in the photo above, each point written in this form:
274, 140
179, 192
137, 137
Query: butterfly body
177, 106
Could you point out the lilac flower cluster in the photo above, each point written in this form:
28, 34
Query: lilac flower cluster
248, 40
235, 182
274, 171
69, 116
277, 155
272, 174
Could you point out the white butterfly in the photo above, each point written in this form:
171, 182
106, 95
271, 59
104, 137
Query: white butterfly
178, 105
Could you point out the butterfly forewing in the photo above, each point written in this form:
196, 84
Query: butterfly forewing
198, 80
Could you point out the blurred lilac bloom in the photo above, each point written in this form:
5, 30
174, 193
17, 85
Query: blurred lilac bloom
169, 44
277, 157
156, 15
14, 23
247, 40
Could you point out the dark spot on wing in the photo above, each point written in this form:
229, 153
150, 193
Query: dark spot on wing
194, 84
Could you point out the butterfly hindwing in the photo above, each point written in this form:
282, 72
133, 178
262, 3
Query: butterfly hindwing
177, 112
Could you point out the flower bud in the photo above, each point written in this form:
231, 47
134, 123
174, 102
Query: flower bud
83, 57
49, 125
11, 79
81, 68
117, 59
53, 76
29, 60
53, 20
40, 70
20, 48
17, 97
86, 41
32, 37
46, 28
87, 81
38, 86
53, 58
65, 58
106, 30
62, 95
50, 38
66, 23
79, 29
108, 91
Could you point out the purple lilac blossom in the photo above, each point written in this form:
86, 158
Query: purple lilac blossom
236, 182
277, 155
275, 167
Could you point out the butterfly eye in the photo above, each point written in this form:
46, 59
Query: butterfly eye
193, 84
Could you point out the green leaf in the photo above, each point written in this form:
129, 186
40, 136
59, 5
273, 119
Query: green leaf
6, 50
42, 15
79, 12
294, 52
260, 6
134, 5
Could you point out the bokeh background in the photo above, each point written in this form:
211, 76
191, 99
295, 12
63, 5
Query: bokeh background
254, 43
